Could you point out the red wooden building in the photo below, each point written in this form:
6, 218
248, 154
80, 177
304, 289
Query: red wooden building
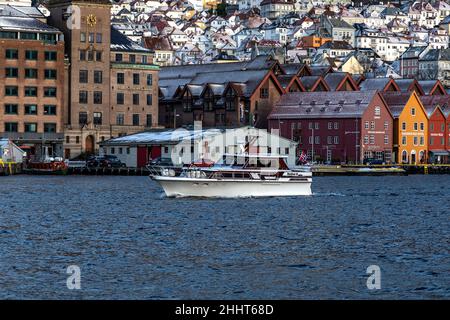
337, 127
438, 137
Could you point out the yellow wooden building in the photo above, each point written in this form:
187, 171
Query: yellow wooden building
410, 127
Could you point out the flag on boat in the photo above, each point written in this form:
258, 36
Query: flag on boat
302, 158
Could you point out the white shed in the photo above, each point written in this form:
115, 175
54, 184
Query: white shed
9, 152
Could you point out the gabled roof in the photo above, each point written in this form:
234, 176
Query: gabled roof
311, 83
288, 80
296, 68
396, 101
336, 81
432, 87
431, 103
335, 104
409, 85
320, 70
380, 84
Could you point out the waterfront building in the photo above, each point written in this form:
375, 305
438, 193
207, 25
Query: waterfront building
336, 127
229, 94
31, 82
437, 127
190, 145
111, 83
410, 127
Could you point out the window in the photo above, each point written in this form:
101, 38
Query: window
91, 37
90, 55
11, 72
336, 125
366, 139
135, 119
149, 120
50, 55
330, 125
30, 91
413, 111
120, 78
83, 37
120, 98
135, 78
403, 126
135, 98
404, 141
83, 97
11, 91
98, 76
336, 139
50, 92
415, 126
386, 125
132, 58
149, 79
149, 99
31, 55
83, 76
422, 126
97, 118
317, 139
10, 108
366, 125
144, 59
120, 119
372, 139
77, 139
386, 139
49, 110
50, 74
8, 35
30, 109
82, 118
98, 56
119, 57
372, 125
98, 38
97, 97
316, 125
82, 55
421, 140
12, 54
264, 93
67, 139
377, 111
11, 126
30, 127
31, 73
415, 141
49, 127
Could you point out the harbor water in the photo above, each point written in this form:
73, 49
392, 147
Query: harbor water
130, 242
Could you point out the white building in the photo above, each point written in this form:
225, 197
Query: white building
186, 146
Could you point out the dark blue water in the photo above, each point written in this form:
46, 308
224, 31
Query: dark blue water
132, 243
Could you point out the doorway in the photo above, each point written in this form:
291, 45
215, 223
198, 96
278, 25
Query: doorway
89, 144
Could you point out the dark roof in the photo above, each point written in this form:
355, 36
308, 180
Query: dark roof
428, 85
292, 68
374, 84
431, 102
436, 54
396, 101
337, 45
320, 70
284, 80
158, 43
331, 104
334, 79
122, 43
339, 23
12, 19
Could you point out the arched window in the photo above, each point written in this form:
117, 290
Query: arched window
405, 156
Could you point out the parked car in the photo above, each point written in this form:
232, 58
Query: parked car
165, 162
372, 161
106, 161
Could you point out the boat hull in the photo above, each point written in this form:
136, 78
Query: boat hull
188, 187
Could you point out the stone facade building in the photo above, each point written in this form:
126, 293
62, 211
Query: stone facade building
102, 101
